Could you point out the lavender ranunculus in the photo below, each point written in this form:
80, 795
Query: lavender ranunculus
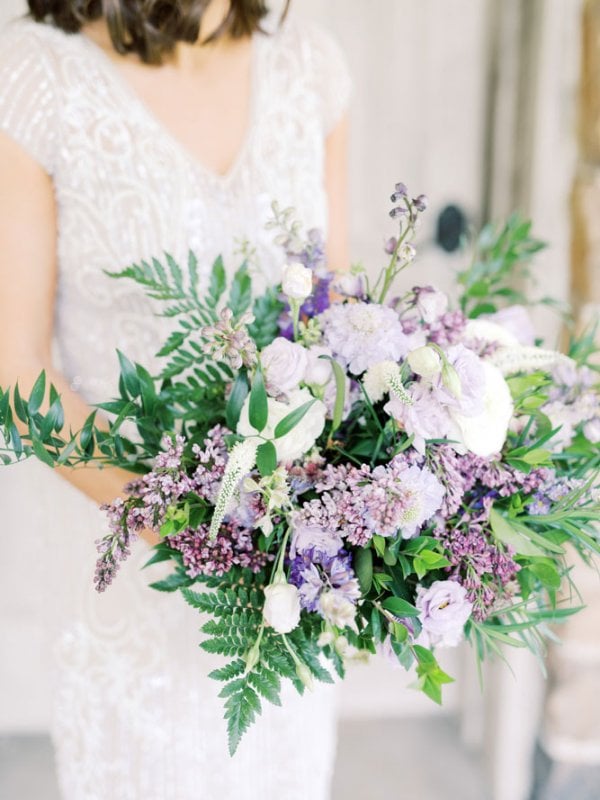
444, 610
361, 334
284, 364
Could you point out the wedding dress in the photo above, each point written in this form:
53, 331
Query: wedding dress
134, 715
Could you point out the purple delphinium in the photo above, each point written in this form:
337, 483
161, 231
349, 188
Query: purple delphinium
314, 572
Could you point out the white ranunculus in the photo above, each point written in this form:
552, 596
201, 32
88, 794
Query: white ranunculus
318, 370
489, 331
301, 438
282, 606
337, 609
485, 433
297, 281
424, 361
284, 365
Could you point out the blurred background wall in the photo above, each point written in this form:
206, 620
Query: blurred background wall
475, 103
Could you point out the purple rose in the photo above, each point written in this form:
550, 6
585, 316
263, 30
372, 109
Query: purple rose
444, 611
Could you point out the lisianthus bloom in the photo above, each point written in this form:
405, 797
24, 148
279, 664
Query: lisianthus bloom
318, 370
444, 610
430, 304
312, 537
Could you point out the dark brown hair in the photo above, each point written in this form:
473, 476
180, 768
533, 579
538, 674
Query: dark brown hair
150, 28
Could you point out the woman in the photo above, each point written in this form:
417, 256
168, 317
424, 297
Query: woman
129, 128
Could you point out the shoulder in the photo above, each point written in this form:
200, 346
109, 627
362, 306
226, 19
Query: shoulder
319, 61
30, 53
308, 40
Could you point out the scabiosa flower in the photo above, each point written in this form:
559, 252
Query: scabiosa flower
230, 341
361, 334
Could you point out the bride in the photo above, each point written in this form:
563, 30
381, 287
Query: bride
129, 128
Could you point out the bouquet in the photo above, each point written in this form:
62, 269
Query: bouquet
335, 470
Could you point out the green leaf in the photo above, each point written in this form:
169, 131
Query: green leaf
547, 573
258, 410
290, 420
20, 407
217, 284
36, 398
240, 294
41, 453
507, 534
236, 400
128, 375
363, 566
266, 458
267, 684
340, 394
428, 560
240, 712
176, 581
399, 607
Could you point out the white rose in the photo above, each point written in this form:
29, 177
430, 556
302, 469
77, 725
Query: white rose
337, 609
318, 370
284, 365
485, 433
282, 606
301, 438
297, 281
424, 361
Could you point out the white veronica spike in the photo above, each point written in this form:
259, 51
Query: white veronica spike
241, 460
510, 360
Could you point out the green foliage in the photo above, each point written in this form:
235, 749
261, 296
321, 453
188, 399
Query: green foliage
501, 255
234, 627
266, 310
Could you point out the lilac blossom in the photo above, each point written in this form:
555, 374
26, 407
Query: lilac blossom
233, 546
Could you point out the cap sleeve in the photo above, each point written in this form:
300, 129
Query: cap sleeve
331, 76
28, 107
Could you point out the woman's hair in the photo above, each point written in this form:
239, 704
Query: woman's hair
150, 28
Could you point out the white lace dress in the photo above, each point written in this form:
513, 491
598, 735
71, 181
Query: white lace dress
135, 717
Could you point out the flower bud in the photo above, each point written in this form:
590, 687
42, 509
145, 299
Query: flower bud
424, 361
421, 202
282, 606
305, 675
451, 380
253, 656
297, 281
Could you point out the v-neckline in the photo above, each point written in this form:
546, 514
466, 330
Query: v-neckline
176, 144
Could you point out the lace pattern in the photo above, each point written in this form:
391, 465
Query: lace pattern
135, 716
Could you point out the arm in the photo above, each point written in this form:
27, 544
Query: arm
336, 184
28, 277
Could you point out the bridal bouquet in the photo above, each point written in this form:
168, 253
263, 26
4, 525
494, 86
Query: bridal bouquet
336, 471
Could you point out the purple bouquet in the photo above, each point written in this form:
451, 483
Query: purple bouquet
334, 472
